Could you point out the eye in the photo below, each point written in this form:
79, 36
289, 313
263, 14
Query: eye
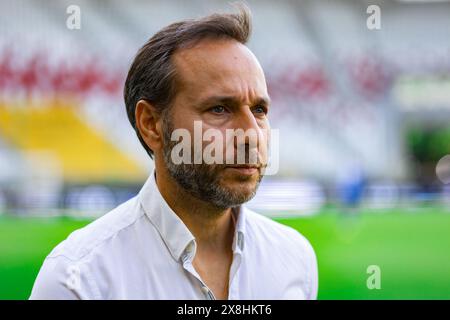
260, 110
218, 109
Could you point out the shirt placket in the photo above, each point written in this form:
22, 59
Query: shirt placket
187, 265
233, 285
233, 282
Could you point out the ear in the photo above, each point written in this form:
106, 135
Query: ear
148, 124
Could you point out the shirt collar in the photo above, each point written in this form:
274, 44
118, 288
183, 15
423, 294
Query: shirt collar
173, 231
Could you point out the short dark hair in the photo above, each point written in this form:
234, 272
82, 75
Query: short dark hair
152, 74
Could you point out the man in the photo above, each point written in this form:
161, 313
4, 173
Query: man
186, 235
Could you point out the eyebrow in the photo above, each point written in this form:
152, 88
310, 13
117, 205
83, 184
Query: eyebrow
233, 101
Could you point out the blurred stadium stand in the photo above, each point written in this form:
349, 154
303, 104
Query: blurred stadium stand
80, 152
344, 98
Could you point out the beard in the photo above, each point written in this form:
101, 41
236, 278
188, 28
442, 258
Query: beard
204, 181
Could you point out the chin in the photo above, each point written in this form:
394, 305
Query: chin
244, 188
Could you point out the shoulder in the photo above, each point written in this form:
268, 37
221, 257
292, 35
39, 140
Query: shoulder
82, 242
69, 271
284, 248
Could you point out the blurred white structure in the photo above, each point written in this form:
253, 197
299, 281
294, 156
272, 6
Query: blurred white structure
330, 77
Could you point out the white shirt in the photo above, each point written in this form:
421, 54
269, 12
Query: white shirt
143, 250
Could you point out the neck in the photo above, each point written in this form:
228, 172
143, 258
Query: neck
212, 227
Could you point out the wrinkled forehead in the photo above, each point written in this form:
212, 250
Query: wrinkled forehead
219, 67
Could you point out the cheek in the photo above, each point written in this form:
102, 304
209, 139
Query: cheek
263, 146
266, 136
266, 130
184, 120
264, 123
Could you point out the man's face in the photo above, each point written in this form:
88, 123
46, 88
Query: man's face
220, 84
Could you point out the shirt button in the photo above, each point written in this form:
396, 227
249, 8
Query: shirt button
190, 248
205, 289
240, 241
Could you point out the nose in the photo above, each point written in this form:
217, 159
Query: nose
247, 136
246, 121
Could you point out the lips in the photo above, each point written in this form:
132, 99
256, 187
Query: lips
244, 166
245, 169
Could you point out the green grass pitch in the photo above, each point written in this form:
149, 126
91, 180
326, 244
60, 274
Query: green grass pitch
412, 250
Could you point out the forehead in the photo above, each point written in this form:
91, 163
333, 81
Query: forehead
219, 67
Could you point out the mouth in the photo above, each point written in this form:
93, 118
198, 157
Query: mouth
244, 169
